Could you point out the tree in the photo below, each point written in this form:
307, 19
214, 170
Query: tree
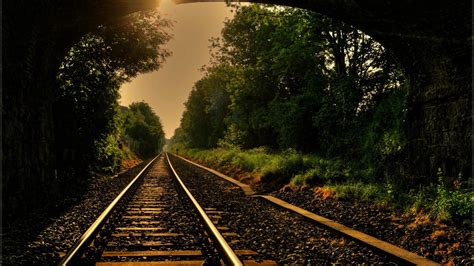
143, 131
302, 75
299, 80
203, 122
89, 78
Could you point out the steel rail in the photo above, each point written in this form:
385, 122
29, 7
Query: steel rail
227, 254
75, 252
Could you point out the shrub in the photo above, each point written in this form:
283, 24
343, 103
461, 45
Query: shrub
441, 202
450, 204
297, 169
310, 177
108, 155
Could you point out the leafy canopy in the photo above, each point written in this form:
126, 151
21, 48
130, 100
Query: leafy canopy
89, 78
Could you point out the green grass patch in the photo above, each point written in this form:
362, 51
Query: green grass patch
290, 167
286, 167
359, 191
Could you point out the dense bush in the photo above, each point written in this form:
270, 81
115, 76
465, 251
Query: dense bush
438, 200
444, 201
273, 167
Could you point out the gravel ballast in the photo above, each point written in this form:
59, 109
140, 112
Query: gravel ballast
435, 241
271, 231
275, 233
24, 245
174, 216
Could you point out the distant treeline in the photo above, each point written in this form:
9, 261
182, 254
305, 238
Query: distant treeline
287, 78
142, 131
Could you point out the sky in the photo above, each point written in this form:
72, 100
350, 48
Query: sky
167, 89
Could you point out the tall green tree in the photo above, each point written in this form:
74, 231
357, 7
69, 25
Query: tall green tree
207, 107
303, 81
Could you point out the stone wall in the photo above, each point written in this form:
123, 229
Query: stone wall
36, 38
439, 114
28, 154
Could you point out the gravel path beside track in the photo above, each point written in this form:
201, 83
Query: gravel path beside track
271, 231
437, 242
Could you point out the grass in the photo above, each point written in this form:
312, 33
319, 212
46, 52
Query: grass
359, 191
442, 201
439, 200
286, 167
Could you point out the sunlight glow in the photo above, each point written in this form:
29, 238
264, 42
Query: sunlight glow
167, 89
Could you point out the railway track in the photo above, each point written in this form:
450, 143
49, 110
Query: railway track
284, 232
157, 221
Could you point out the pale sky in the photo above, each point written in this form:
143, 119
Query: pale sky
167, 89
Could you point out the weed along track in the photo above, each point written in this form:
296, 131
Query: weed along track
155, 221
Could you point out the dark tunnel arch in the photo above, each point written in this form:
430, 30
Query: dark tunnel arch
432, 41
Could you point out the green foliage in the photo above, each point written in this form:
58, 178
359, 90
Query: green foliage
384, 137
283, 168
273, 167
202, 124
359, 191
440, 200
334, 175
287, 78
143, 131
87, 120
451, 203
109, 155
304, 83
319, 171
323, 172
325, 98
301, 75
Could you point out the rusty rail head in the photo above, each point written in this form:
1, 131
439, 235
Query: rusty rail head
76, 251
227, 254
